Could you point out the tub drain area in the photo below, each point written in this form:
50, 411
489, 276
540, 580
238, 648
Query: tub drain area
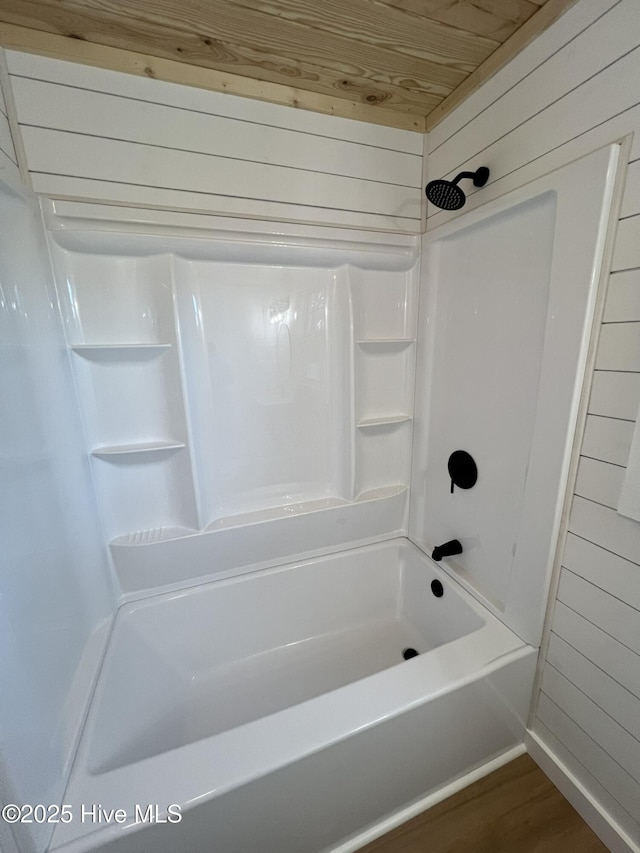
409, 653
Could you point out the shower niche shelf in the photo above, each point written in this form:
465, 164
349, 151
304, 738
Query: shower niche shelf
120, 352
382, 456
382, 421
131, 452
385, 343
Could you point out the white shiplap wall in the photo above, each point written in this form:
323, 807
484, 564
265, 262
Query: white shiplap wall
573, 90
103, 135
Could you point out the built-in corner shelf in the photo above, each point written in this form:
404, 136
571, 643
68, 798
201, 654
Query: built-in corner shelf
119, 352
383, 421
128, 452
385, 343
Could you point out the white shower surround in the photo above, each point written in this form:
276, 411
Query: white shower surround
370, 725
246, 388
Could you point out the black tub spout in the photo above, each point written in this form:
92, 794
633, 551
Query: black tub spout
449, 549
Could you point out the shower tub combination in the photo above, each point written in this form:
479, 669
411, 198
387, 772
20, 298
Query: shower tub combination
277, 711
274, 709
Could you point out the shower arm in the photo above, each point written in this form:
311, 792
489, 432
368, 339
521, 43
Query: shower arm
462, 175
479, 177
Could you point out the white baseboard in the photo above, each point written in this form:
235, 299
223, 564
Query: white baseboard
592, 812
405, 813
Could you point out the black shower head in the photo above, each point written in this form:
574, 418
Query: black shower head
445, 194
448, 195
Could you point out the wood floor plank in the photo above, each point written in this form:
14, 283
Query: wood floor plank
514, 809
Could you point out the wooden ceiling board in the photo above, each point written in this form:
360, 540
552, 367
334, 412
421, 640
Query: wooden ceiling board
546, 15
405, 62
43, 43
382, 26
252, 45
495, 19
239, 29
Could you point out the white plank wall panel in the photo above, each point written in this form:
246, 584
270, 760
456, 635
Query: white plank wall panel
612, 737
614, 394
599, 481
603, 526
550, 130
623, 297
48, 105
604, 569
614, 778
551, 135
52, 151
619, 347
100, 135
136, 195
594, 759
607, 439
626, 255
608, 694
573, 90
631, 198
607, 653
614, 616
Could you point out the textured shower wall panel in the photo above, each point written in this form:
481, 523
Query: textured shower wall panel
114, 137
573, 90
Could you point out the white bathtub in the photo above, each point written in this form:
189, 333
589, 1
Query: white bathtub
276, 710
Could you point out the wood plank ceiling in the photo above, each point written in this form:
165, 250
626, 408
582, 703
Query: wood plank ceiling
403, 63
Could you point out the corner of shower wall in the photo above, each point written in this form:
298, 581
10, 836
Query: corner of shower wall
246, 388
